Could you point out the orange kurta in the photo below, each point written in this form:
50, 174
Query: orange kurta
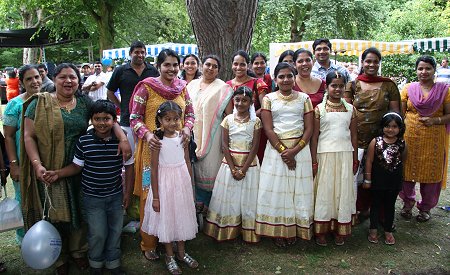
427, 146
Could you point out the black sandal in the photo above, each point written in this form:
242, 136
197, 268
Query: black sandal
280, 242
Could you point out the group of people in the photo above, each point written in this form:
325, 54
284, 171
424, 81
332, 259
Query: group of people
296, 156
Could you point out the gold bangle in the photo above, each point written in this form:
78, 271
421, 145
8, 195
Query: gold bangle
123, 140
155, 199
281, 148
13, 161
302, 144
36, 161
240, 172
440, 120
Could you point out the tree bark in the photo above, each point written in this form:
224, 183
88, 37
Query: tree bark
222, 27
103, 14
299, 17
30, 55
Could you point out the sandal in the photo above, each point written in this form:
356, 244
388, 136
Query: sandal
423, 216
389, 238
321, 241
82, 263
291, 241
373, 236
280, 242
188, 260
172, 265
150, 255
339, 240
406, 213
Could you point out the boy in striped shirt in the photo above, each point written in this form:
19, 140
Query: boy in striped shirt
103, 197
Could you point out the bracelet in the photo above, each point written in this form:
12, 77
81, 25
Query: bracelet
3, 170
368, 173
36, 161
440, 120
155, 199
367, 181
280, 147
315, 165
302, 144
13, 161
123, 140
240, 172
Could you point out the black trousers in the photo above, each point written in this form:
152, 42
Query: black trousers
383, 199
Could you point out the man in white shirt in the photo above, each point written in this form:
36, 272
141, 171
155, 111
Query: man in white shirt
94, 85
443, 72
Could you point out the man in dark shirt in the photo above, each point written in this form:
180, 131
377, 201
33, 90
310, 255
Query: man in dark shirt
125, 78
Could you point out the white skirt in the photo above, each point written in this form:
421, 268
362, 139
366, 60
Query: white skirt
285, 198
335, 198
232, 210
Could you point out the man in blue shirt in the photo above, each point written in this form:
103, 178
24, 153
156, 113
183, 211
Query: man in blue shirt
323, 64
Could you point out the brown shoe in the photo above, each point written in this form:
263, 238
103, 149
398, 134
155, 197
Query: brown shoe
63, 269
423, 216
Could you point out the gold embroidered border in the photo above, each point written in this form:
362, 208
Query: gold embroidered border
341, 229
283, 231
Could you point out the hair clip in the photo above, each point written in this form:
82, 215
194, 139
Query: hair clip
337, 74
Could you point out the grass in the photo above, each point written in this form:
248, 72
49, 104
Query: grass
421, 248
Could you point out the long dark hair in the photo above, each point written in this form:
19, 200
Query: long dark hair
284, 54
163, 109
373, 50
427, 59
197, 73
22, 71
164, 54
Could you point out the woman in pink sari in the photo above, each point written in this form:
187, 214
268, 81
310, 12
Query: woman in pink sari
426, 108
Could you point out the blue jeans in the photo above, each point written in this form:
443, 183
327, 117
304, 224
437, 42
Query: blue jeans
104, 217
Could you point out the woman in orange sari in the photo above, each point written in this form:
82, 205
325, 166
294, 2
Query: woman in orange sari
148, 95
426, 108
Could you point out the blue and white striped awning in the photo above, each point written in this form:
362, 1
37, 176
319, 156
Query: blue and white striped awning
153, 50
432, 44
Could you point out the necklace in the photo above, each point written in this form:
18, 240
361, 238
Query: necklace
286, 97
241, 120
426, 88
65, 107
333, 105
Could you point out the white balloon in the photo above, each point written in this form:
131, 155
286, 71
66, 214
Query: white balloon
41, 245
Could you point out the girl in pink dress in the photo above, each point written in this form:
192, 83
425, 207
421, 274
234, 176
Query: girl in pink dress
170, 214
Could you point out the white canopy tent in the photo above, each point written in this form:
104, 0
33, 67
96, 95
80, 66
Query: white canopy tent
152, 50
343, 47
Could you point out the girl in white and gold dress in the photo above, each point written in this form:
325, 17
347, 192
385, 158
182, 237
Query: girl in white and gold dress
334, 151
232, 209
285, 197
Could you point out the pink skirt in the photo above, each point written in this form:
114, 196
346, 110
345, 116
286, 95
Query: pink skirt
176, 220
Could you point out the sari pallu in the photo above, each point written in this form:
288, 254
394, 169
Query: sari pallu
148, 95
209, 106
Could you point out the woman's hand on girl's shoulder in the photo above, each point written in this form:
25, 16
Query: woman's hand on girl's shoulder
155, 205
185, 134
153, 141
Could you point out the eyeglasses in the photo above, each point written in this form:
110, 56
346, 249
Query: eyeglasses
209, 65
322, 49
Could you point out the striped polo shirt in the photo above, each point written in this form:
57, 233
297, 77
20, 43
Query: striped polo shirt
102, 167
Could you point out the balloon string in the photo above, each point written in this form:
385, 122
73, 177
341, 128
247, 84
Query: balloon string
47, 196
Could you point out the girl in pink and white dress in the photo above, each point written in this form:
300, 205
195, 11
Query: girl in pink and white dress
170, 213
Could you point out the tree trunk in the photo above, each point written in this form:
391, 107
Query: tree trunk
103, 14
299, 17
30, 55
222, 27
